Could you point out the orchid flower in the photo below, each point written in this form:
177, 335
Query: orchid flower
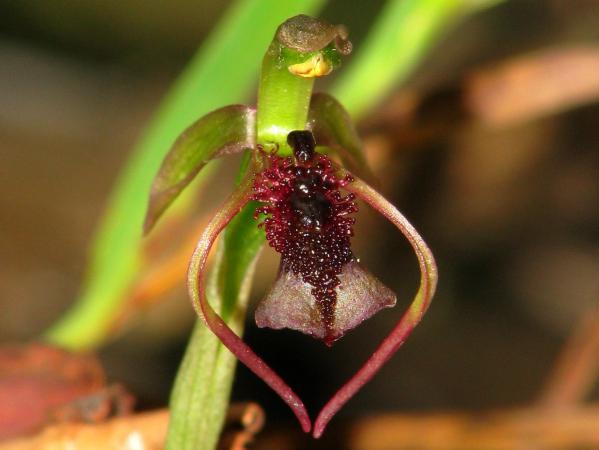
305, 201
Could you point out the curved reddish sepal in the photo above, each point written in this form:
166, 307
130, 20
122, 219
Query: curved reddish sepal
409, 320
197, 289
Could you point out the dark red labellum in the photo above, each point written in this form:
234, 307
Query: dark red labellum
308, 221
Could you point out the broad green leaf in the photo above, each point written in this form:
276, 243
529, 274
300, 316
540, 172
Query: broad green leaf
224, 131
332, 127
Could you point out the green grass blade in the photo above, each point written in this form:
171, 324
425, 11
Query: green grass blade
399, 40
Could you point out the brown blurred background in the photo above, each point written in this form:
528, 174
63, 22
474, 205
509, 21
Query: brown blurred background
507, 197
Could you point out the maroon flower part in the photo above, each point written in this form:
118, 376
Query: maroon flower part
321, 289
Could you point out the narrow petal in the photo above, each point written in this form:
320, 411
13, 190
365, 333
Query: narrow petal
223, 131
291, 304
333, 127
197, 289
409, 320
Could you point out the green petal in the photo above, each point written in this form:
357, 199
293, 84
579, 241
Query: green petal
332, 127
224, 131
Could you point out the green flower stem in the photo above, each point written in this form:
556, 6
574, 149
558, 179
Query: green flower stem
397, 43
283, 100
202, 388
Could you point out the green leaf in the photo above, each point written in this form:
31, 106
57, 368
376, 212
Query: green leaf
398, 41
332, 127
225, 131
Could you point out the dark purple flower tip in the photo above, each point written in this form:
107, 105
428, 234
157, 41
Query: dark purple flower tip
291, 304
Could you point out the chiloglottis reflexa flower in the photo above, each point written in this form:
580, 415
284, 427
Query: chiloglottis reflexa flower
321, 290
306, 207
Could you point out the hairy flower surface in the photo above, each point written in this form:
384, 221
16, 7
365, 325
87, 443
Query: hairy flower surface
321, 289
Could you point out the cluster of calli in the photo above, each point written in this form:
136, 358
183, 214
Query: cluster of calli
302, 175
